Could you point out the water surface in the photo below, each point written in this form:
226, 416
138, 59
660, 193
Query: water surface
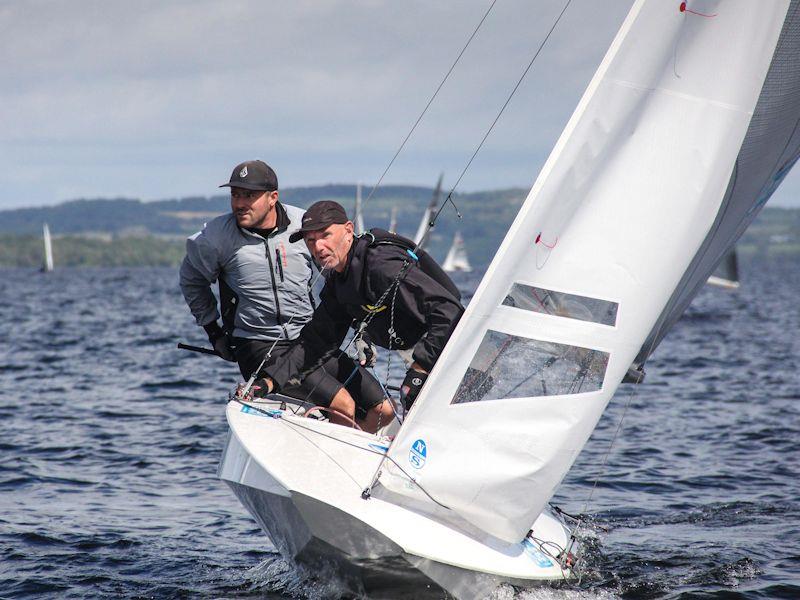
110, 437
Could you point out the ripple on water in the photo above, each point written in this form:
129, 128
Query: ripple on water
110, 437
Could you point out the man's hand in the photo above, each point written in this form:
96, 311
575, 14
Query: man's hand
367, 352
411, 386
220, 341
262, 387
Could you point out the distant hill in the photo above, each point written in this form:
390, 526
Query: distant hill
485, 214
128, 232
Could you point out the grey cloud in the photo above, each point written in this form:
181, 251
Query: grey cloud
156, 99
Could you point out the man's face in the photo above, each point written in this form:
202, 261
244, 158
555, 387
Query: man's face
253, 208
330, 246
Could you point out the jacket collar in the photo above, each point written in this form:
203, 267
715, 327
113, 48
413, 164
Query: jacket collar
281, 224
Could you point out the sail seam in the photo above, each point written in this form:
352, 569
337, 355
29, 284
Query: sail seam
676, 94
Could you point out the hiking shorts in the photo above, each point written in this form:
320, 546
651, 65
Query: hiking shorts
321, 385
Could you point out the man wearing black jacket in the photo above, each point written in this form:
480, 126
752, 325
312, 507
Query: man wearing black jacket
370, 281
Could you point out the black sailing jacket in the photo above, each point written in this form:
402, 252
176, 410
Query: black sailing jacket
421, 305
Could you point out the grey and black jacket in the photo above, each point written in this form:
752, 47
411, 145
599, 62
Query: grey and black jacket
267, 279
422, 314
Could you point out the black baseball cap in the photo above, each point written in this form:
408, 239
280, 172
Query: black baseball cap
318, 216
253, 175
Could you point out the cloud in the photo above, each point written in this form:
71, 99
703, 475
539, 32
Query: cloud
154, 99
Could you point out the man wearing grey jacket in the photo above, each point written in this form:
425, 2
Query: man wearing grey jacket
266, 296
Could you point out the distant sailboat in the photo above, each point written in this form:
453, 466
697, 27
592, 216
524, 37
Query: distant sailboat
428, 215
393, 220
727, 273
358, 217
456, 259
47, 266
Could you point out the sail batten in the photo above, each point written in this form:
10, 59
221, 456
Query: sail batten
619, 213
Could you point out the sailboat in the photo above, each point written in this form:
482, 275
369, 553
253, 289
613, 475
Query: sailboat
456, 259
686, 129
47, 265
727, 273
430, 210
393, 220
358, 212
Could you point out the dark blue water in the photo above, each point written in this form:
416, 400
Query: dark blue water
109, 441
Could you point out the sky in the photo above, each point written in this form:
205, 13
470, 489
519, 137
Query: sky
155, 99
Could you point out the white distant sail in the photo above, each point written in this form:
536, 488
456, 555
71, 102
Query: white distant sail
358, 217
456, 259
685, 130
428, 214
393, 220
47, 266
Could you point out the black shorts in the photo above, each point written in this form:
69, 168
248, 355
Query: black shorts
321, 385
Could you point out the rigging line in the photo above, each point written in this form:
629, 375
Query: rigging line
323, 452
268, 355
632, 395
496, 119
661, 323
427, 106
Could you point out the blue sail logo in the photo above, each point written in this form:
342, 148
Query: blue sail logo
418, 454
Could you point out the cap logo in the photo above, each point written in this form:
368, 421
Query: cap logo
307, 219
243, 172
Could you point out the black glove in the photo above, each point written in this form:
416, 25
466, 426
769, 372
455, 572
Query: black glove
367, 352
411, 386
220, 341
261, 388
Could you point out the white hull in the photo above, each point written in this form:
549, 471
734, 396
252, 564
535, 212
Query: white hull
302, 480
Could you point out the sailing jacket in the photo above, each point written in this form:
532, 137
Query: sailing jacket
423, 312
264, 282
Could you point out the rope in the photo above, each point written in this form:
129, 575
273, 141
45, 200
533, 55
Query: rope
631, 396
254, 374
496, 119
427, 106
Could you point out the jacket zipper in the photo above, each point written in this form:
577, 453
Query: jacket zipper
275, 289
280, 263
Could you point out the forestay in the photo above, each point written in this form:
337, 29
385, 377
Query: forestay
615, 220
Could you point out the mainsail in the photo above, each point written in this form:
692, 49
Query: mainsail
428, 214
648, 186
47, 265
456, 259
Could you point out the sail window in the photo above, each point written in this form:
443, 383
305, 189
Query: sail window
509, 366
561, 304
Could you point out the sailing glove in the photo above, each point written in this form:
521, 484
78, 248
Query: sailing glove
219, 339
411, 386
367, 352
